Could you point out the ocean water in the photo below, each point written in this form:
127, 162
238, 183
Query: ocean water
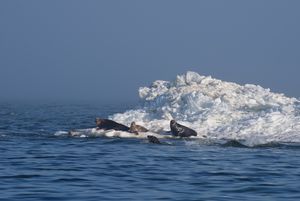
38, 164
248, 146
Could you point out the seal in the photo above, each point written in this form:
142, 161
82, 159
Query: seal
153, 139
108, 124
180, 130
134, 128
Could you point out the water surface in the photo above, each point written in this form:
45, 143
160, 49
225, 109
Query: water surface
35, 164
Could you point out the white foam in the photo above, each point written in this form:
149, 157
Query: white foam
93, 132
60, 133
217, 109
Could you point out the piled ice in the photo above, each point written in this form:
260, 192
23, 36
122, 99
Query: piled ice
217, 109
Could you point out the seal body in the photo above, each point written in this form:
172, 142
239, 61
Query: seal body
107, 124
134, 128
180, 130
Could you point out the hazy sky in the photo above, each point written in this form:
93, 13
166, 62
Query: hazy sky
105, 50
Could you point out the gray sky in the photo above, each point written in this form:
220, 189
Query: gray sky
105, 50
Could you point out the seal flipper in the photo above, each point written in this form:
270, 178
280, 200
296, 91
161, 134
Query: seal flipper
153, 139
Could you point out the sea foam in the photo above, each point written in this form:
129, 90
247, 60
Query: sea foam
217, 109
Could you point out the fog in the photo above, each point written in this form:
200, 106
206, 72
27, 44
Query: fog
105, 50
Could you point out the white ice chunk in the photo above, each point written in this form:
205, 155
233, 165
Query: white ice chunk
217, 109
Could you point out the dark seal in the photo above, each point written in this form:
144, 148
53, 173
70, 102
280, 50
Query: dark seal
180, 130
107, 124
153, 139
134, 128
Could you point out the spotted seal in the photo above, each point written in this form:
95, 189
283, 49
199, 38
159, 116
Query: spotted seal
107, 124
180, 130
134, 128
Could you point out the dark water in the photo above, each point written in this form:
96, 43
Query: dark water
37, 165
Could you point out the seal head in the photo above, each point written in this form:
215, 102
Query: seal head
153, 139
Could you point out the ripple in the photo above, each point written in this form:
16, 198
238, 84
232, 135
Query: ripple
21, 176
37, 165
